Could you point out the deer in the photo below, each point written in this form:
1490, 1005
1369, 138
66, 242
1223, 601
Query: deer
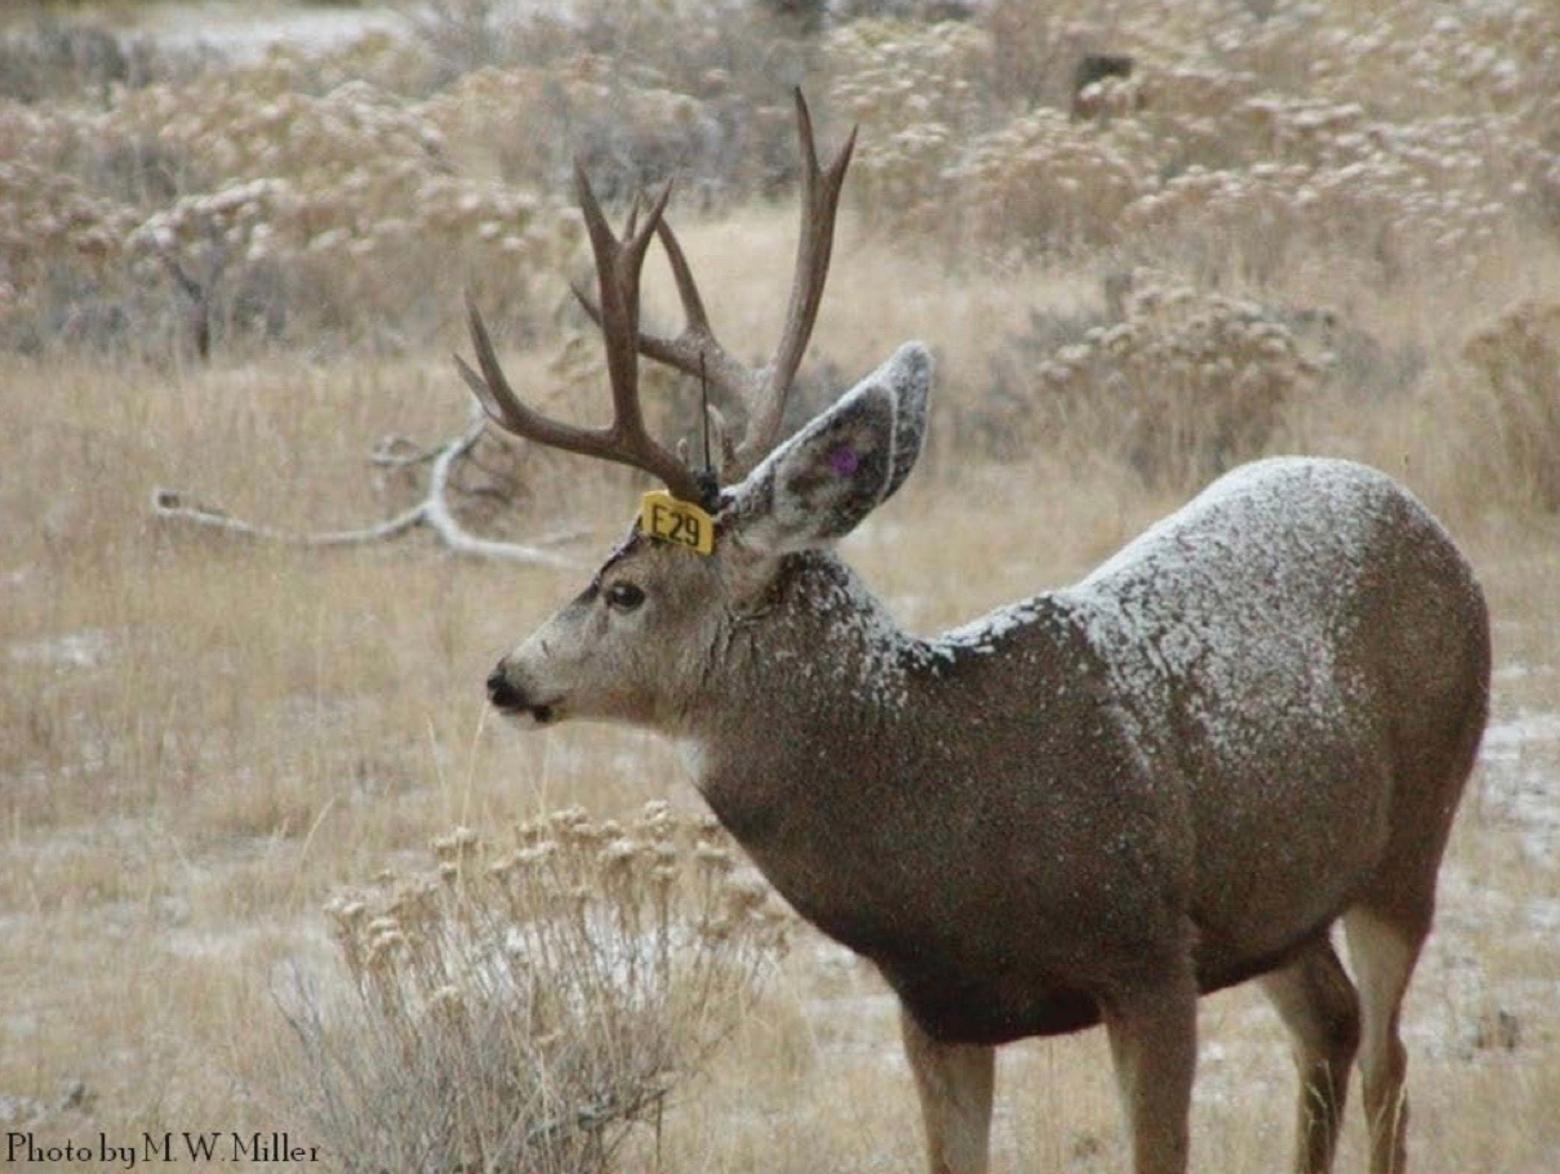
1092, 806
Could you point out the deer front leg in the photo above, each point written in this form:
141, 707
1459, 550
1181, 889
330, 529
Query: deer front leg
954, 1082
1153, 1040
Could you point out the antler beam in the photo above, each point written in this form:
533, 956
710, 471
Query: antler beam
762, 392
626, 440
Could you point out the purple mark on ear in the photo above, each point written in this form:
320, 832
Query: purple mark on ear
844, 460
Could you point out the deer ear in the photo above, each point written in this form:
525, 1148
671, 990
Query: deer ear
821, 483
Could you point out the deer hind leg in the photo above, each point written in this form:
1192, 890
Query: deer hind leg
955, 1085
1319, 1006
1153, 1041
1384, 947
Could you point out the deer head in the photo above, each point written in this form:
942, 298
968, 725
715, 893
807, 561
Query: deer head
638, 644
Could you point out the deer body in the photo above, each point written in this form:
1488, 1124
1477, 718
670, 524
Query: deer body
1199, 737
1090, 807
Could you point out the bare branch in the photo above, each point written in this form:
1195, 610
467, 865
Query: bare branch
400, 452
433, 511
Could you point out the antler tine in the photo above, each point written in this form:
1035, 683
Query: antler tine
815, 243
632, 221
698, 321
763, 392
697, 341
618, 265
730, 376
626, 441
505, 408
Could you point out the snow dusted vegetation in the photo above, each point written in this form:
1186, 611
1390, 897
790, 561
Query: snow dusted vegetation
233, 245
245, 33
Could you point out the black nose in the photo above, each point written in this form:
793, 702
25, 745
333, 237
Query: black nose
501, 692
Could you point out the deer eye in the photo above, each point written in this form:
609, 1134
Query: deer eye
624, 596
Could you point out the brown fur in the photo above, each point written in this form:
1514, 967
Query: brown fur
1169, 779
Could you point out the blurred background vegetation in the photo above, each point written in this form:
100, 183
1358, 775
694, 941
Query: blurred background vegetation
1146, 241
1297, 164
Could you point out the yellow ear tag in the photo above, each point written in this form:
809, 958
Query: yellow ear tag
663, 516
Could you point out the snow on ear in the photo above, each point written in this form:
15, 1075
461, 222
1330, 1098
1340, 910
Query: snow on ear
821, 483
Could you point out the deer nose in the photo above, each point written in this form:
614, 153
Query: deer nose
501, 692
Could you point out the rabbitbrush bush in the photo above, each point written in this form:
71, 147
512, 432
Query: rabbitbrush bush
1518, 358
345, 200
1184, 386
523, 1008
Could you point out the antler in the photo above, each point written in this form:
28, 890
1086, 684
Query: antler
764, 391
626, 441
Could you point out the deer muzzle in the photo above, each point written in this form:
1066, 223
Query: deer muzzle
511, 699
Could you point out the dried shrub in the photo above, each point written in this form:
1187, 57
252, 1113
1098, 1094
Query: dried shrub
1036, 48
1046, 182
523, 1009
60, 253
1390, 208
1186, 385
49, 216
53, 59
460, 35
539, 122
1243, 142
1249, 146
1517, 357
702, 85
919, 90
317, 201
1405, 59
315, 218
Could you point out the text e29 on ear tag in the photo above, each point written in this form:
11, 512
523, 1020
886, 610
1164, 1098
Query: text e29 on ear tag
665, 517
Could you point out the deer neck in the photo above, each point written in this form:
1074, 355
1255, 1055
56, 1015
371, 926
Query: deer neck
808, 716
821, 643
814, 666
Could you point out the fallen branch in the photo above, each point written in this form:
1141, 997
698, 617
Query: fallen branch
432, 511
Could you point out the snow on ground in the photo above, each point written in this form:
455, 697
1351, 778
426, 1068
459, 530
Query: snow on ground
239, 32
1521, 757
85, 649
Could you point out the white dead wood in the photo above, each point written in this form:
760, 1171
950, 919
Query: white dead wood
433, 511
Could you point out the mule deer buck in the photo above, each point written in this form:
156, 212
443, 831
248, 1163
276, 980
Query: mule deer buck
1088, 807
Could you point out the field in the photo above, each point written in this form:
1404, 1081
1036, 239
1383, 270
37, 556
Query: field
1330, 228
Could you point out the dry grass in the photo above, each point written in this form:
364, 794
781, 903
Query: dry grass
200, 741
205, 739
